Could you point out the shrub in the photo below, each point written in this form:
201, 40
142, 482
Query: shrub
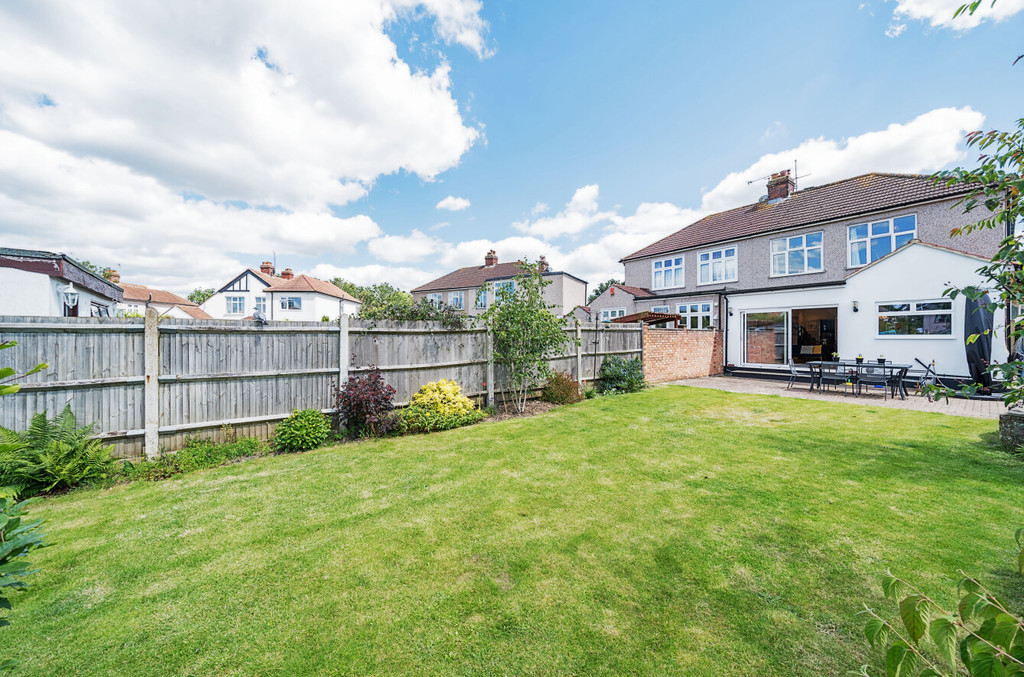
589, 393
18, 539
363, 405
196, 455
440, 406
619, 375
302, 430
561, 388
52, 454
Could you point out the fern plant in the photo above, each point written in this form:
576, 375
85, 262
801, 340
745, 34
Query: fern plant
52, 454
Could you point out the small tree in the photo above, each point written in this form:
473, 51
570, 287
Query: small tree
526, 335
602, 288
998, 185
200, 295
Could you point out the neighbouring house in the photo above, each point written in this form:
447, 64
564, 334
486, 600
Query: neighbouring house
471, 289
137, 297
48, 284
858, 266
279, 297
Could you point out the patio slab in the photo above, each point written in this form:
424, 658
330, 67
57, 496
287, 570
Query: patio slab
955, 407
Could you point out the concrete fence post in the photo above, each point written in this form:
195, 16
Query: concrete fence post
343, 349
151, 399
579, 354
489, 348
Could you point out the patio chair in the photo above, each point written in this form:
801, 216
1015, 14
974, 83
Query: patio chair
874, 376
797, 373
837, 376
896, 383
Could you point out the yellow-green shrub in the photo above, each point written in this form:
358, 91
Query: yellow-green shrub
440, 406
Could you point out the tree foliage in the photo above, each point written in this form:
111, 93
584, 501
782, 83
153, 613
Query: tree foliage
525, 334
9, 374
602, 288
199, 295
981, 637
997, 185
384, 301
17, 538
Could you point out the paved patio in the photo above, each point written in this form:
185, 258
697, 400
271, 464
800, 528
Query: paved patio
955, 407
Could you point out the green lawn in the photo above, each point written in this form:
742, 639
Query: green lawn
676, 531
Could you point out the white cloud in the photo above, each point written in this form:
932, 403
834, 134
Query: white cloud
940, 12
539, 208
774, 129
403, 248
453, 204
895, 30
580, 213
402, 277
267, 114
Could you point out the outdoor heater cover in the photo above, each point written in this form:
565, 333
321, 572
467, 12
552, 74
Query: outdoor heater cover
978, 320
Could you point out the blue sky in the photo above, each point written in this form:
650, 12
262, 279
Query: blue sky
626, 120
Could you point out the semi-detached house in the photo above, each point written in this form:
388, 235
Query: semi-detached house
857, 267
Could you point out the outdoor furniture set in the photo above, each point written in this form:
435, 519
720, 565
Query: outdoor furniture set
854, 375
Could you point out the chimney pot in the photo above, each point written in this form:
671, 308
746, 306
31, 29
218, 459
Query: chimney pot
491, 259
112, 275
542, 265
267, 268
780, 186
287, 274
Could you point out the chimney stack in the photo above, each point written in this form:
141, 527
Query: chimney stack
491, 259
286, 274
780, 186
267, 268
543, 265
112, 275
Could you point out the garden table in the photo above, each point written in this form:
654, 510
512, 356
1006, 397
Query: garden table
853, 367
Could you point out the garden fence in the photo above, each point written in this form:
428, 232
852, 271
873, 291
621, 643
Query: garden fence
149, 383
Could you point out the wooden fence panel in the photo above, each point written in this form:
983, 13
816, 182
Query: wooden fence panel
249, 375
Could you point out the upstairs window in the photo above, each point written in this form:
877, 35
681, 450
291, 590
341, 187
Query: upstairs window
504, 289
261, 304
668, 273
291, 303
435, 299
695, 315
797, 254
718, 265
871, 241
455, 299
916, 318
235, 305
609, 314
481, 298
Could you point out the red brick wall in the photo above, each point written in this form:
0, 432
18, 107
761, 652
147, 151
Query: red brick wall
673, 354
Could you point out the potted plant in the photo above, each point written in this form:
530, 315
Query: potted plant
835, 357
860, 358
881, 359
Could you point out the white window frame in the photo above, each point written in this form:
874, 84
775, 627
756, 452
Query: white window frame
609, 314
785, 240
260, 305
870, 225
913, 310
706, 260
500, 285
660, 309
230, 302
456, 299
677, 264
291, 303
481, 298
691, 316
436, 299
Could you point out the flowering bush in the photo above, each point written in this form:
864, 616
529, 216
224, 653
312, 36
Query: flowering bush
302, 430
440, 406
363, 405
561, 388
619, 375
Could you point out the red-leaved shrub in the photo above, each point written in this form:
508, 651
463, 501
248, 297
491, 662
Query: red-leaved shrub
363, 405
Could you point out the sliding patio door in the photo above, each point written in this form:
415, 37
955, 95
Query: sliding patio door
766, 337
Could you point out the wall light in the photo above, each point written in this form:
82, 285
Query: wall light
70, 296
855, 308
